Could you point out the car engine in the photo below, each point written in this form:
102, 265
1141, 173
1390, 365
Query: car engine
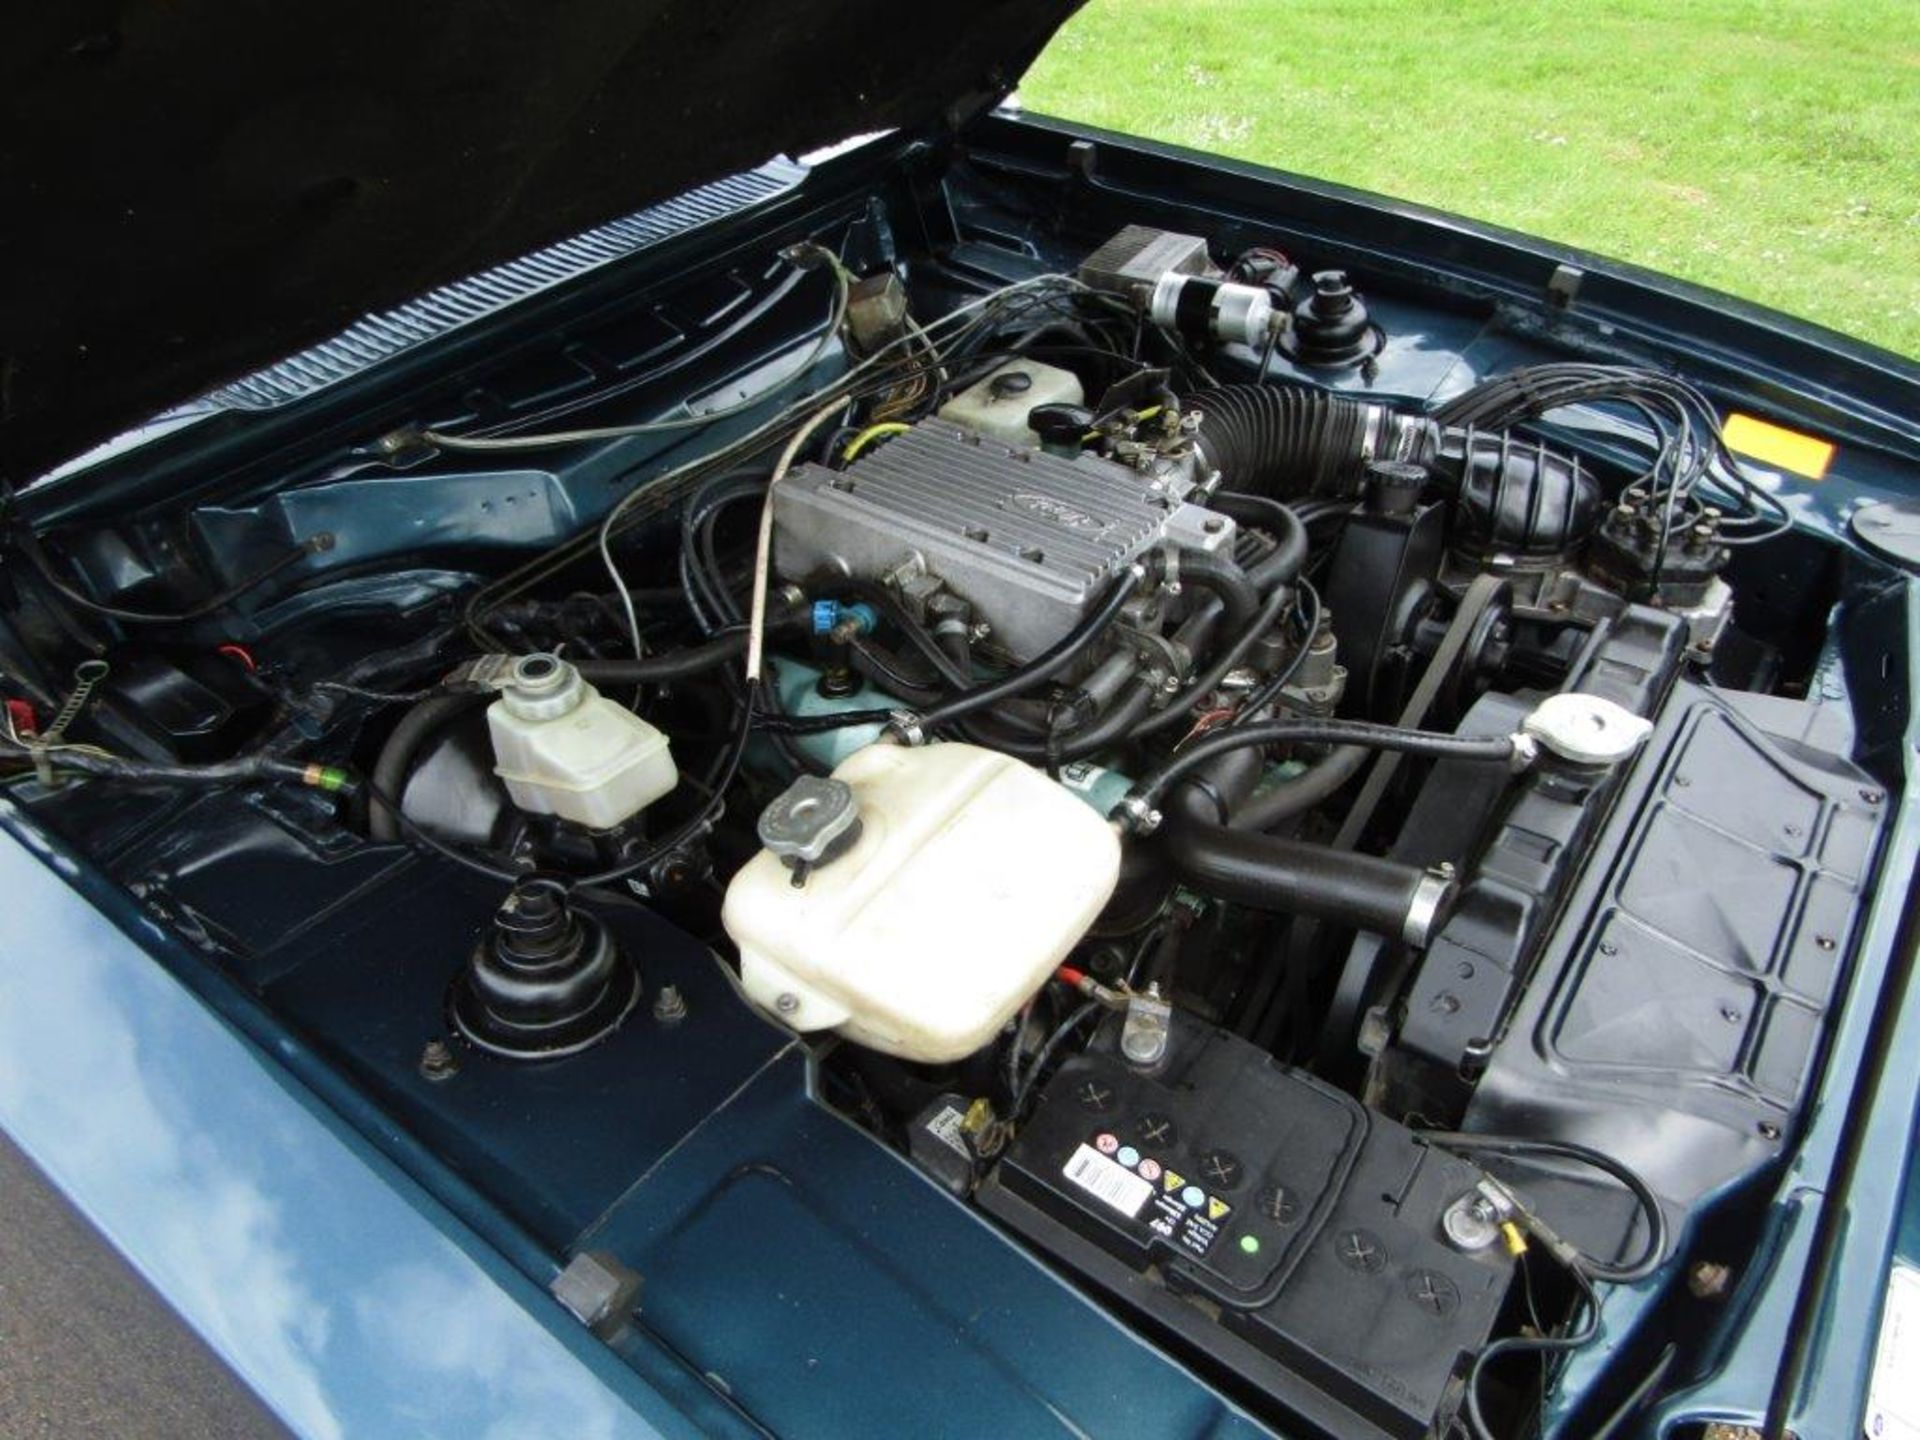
1345, 872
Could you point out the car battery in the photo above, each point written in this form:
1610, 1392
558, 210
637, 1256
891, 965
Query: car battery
1291, 1237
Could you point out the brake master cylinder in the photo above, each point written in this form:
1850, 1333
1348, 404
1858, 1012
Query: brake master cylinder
917, 899
564, 749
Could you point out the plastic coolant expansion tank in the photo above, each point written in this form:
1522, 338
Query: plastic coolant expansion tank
564, 749
972, 877
999, 404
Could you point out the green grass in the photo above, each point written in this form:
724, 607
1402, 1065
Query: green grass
1770, 148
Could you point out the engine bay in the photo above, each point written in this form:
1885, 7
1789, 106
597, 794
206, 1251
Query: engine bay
1341, 847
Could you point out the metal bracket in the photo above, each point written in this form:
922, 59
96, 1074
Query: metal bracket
1563, 286
598, 1291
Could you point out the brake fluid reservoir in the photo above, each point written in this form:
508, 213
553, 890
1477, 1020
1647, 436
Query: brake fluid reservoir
945, 883
564, 749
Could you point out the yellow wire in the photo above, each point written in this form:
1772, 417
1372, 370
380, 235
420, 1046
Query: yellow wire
1140, 417
872, 433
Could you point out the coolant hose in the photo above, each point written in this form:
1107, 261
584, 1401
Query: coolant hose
1221, 577
1289, 557
1292, 798
1294, 877
397, 755
1489, 749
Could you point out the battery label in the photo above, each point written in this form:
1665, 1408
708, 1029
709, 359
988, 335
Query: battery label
1188, 1217
1107, 1181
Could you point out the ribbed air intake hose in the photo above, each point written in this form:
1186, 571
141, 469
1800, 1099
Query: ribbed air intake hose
1289, 441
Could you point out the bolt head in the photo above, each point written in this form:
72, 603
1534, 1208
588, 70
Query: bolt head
669, 1006
1709, 1280
787, 1003
438, 1062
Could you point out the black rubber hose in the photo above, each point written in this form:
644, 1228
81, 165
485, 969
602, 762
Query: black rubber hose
1294, 877
1282, 440
1277, 683
1289, 557
1209, 679
1116, 725
396, 758
1111, 727
950, 670
820, 724
1490, 749
875, 662
1043, 667
1219, 576
952, 637
668, 665
1297, 796
704, 587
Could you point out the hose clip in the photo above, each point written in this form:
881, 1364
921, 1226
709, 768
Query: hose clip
905, 726
1137, 816
1170, 569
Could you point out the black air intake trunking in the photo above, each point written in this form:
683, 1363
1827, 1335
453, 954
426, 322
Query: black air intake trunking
1290, 441
1287, 440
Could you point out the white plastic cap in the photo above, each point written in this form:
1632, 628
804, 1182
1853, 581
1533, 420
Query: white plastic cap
1587, 729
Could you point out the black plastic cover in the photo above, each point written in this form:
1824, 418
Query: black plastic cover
1520, 849
1676, 1015
1307, 1224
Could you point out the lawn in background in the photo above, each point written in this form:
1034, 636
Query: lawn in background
1767, 149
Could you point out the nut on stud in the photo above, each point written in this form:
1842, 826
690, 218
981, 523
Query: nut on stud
438, 1062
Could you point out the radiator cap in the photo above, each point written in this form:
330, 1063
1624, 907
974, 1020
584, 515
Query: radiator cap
1587, 729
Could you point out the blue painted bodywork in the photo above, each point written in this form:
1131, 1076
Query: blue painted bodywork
792, 1263
349, 1299
371, 1251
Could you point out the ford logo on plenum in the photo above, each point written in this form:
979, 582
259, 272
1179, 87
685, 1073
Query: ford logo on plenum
1059, 512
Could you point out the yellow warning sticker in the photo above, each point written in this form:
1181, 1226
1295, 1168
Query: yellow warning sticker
1216, 1207
1173, 1181
1804, 455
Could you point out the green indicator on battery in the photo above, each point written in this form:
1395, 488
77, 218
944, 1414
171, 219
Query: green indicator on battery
1250, 1244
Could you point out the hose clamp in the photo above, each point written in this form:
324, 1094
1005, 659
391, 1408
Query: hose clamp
1372, 433
906, 725
1526, 752
1137, 816
1426, 908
